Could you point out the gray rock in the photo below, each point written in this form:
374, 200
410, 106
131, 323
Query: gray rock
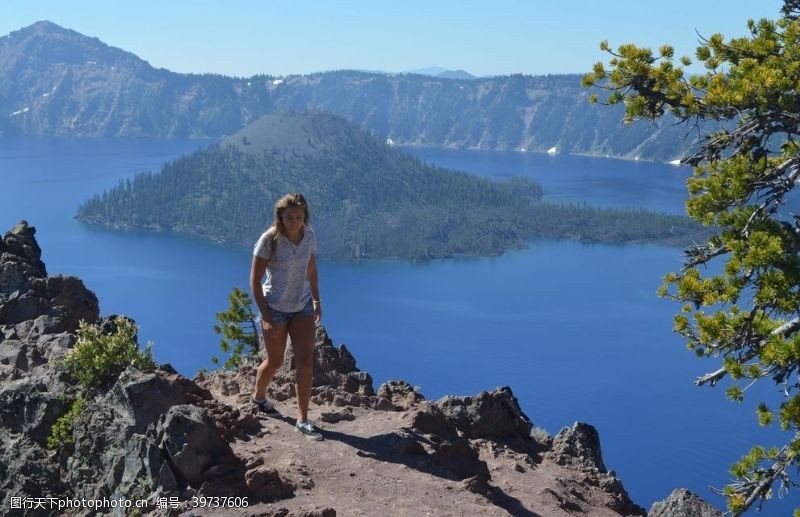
449, 450
44, 324
13, 278
333, 417
579, 444
97, 462
15, 353
683, 503
27, 407
333, 367
54, 346
72, 301
20, 241
26, 470
26, 292
24, 308
192, 443
462, 460
401, 394
142, 468
430, 419
266, 484
142, 398
494, 414
119, 447
166, 478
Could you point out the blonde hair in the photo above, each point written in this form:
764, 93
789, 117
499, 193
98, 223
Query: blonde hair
291, 200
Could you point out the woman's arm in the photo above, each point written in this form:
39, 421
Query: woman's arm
313, 282
257, 270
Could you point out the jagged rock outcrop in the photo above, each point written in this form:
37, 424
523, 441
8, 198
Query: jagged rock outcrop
401, 394
151, 435
683, 503
493, 414
578, 445
493, 419
37, 313
159, 436
337, 381
27, 294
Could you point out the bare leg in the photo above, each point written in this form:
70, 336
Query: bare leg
275, 345
303, 333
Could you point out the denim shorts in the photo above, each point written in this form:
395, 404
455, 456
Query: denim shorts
282, 318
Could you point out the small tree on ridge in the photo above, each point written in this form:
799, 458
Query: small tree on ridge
238, 327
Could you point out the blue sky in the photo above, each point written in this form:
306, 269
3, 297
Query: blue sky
244, 38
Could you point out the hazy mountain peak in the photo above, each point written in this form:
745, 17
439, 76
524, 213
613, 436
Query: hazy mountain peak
49, 30
309, 133
48, 43
443, 73
44, 26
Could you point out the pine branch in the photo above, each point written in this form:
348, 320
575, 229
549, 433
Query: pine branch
785, 330
754, 489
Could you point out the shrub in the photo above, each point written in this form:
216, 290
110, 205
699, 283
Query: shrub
61, 432
98, 359
540, 435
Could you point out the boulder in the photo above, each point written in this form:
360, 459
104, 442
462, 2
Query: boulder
683, 503
578, 445
72, 301
401, 394
14, 353
26, 292
194, 448
430, 419
26, 407
266, 484
141, 469
95, 463
20, 242
462, 460
142, 398
494, 415
333, 368
447, 448
26, 470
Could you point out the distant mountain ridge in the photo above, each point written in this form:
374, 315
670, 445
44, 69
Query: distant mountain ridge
54, 81
437, 71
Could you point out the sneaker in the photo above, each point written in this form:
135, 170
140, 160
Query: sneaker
264, 406
309, 430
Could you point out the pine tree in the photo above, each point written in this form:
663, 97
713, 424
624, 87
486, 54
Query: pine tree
238, 327
746, 316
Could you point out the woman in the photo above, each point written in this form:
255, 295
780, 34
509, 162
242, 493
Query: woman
288, 302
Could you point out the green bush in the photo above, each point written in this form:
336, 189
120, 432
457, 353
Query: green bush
61, 432
98, 359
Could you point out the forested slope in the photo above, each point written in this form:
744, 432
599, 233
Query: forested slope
368, 200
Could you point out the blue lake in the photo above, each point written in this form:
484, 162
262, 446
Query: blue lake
576, 330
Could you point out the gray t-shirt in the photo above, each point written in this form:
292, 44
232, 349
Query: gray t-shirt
286, 286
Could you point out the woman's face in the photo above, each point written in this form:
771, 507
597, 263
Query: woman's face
293, 219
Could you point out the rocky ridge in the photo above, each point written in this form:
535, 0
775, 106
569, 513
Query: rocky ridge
183, 445
55, 81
